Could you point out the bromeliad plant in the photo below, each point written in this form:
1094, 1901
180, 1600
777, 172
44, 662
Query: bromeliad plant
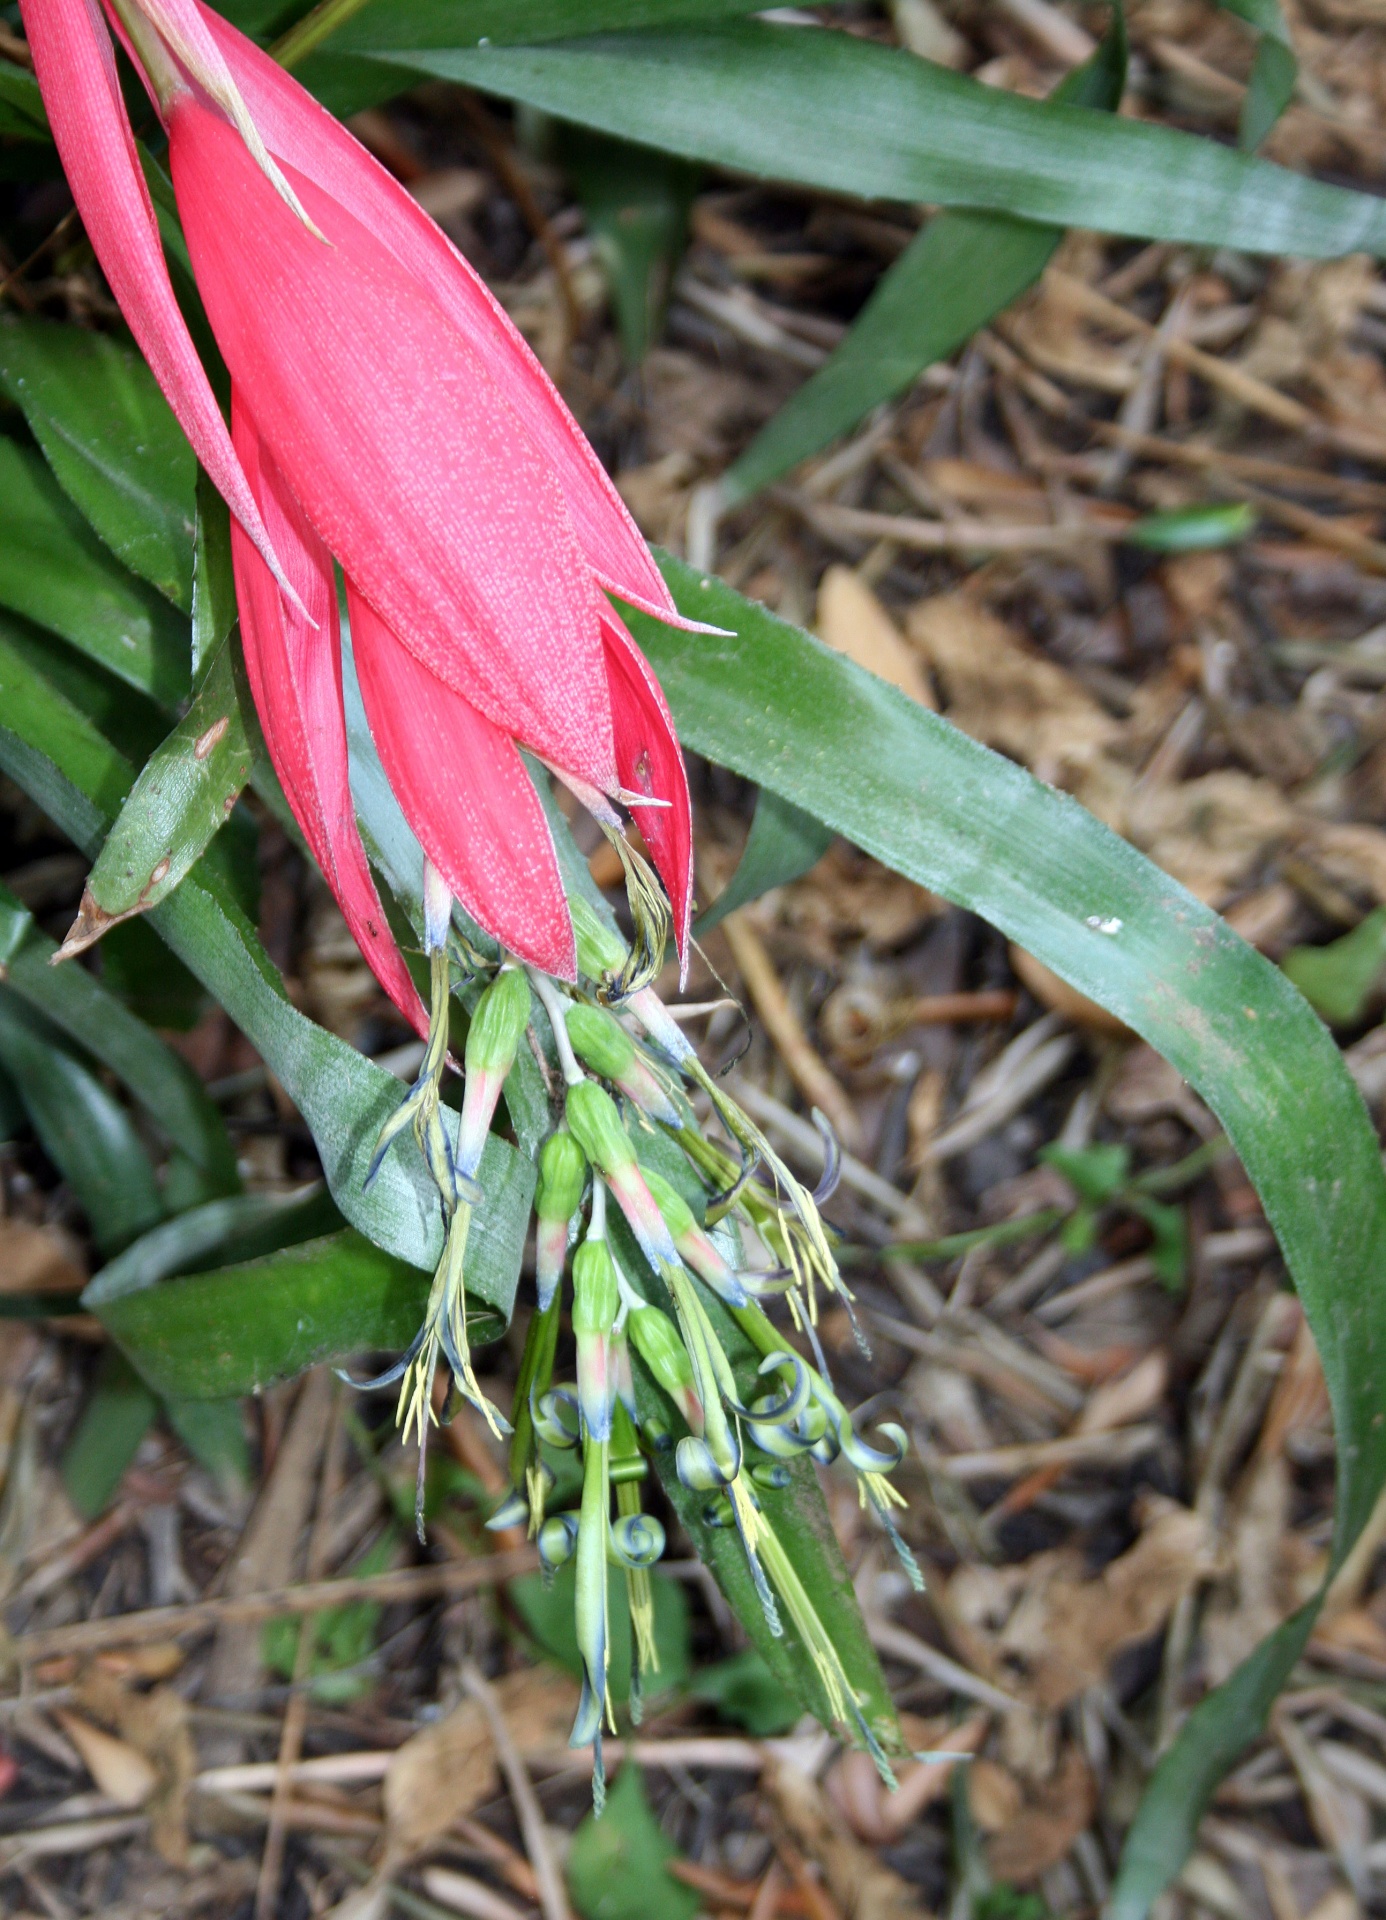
476, 632
388, 417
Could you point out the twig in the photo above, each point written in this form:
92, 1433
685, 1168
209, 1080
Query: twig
296, 1712
951, 536
899, 1644
553, 1899
313, 1596
1117, 1447
809, 1072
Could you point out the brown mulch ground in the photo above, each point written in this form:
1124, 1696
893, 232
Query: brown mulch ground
1116, 1485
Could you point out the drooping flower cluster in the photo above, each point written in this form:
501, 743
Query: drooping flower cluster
387, 418
676, 1245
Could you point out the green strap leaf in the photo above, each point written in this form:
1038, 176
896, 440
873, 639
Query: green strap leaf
166, 1087
955, 275
1274, 74
22, 115
636, 203
82, 1128
834, 111
182, 798
215, 1336
784, 842
112, 441
55, 571
119, 1412
777, 706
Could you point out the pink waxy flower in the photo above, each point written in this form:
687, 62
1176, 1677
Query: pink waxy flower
386, 415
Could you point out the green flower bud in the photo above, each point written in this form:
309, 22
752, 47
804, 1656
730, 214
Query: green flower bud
498, 1025
562, 1176
600, 1041
596, 1296
678, 1215
593, 1117
660, 1345
600, 949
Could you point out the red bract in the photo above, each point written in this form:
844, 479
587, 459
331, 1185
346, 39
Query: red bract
386, 415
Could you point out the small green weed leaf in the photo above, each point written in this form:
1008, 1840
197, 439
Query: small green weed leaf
1095, 1173
214, 1434
1274, 73
616, 1865
1338, 980
1193, 529
744, 1691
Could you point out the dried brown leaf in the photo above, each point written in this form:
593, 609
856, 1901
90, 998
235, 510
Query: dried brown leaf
1046, 1827
852, 621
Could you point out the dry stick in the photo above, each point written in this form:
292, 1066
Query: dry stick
296, 1712
553, 1900
1232, 379
313, 1596
810, 1073
948, 536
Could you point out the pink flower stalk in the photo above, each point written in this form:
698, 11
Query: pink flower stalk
386, 414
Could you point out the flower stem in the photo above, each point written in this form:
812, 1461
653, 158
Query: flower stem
309, 33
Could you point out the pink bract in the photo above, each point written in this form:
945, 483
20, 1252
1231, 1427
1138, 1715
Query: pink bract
387, 416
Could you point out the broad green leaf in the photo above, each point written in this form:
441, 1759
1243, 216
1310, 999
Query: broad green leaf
617, 1864
744, 1691
165, 1086
636, 202
112, 441
345, 81
344, 1098
1275, 71
82, 1128
181, 799
1338, 980
784, 842
952, 278
834, 111
215, 1336
119, 1412
777, 706
55, 571
220, 1233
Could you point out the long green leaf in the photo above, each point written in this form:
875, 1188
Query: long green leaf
165, 1086
112, 441
55, 571
777, 706
834, 111
83, 1129
345, 81
962, 269
214, 1336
